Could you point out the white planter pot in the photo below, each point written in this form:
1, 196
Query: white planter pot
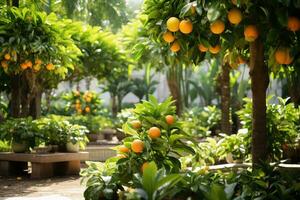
72, 147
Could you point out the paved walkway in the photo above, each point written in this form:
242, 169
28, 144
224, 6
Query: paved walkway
64, 188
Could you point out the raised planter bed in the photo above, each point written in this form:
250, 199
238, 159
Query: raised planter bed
42, 165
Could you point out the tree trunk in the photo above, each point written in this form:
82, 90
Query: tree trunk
225, 99
35, 105
174, 86
259, 84
25, 97
114, 106
15, 99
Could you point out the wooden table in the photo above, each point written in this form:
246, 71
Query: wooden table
42, 165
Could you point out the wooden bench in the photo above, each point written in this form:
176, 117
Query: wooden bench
42, 165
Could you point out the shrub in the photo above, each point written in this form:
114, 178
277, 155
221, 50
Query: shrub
202, 122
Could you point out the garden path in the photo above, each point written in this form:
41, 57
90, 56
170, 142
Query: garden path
60, 188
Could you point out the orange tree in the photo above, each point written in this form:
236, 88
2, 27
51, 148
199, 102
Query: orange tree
266, 31
154, 134
36, 52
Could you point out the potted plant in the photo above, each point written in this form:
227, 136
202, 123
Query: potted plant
20, 133
76, 138
55, 131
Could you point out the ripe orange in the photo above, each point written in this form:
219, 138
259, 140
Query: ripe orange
234, 16
50, 66
23, 66
38, 61
123, 149
215, 49
293, 24
28, 63
88, 99
36, 67
250, 33
217, 27
145, 164
175, 47
136, 124
154, 132
87, 109
170, 119
4, 64
186, 26
173, 24
283, 57
168, 37
79, 110
202, 48
137, 146
7, 56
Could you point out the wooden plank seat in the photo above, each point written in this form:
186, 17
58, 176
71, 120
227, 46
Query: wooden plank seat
42, 165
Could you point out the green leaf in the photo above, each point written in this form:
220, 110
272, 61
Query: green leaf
148, 179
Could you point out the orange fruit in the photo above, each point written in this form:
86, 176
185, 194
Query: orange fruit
88, 99
234, 16
175, 47
170, 119
217, 27
87, 109
50, 66
250, 33
4, 64
293, 24
136, 124
168, 37
215, 49
154, 132
186, 26
28, 63
137, 146
7, 56
38, 61
79, 111
23, 66
145, 164
202, 48
123, 149
283, 57
173, 24
36, 67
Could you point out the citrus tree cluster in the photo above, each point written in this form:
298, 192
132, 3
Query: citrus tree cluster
84, 102
190, 26
154, 135
34, 41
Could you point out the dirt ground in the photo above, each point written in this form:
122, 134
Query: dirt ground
23, 188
